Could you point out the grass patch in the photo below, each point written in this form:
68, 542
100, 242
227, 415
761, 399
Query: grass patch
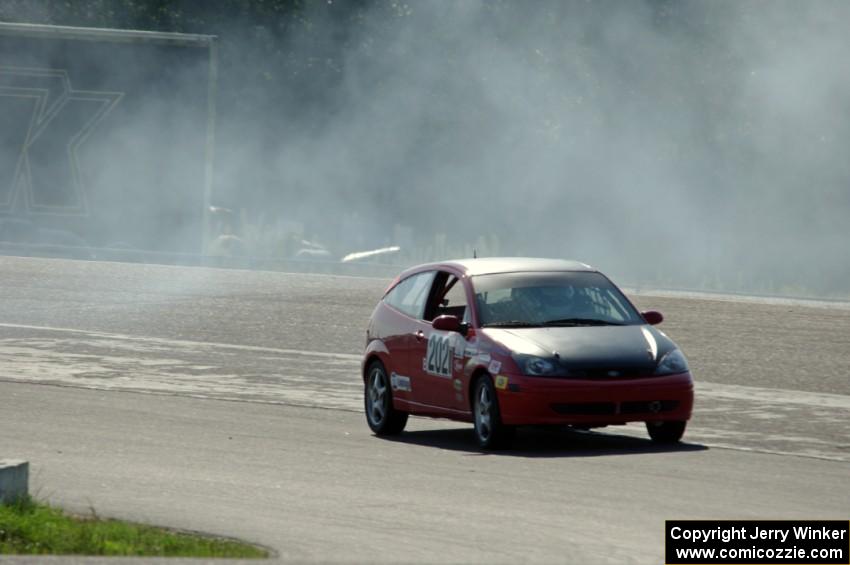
32, 528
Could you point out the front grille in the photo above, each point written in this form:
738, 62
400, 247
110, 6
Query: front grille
586, 408
604, 408
650, 406
609, 373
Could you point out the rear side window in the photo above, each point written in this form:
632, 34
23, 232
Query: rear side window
409, 296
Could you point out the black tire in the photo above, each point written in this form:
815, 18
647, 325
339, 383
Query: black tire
490, 432
382, 418
666, 432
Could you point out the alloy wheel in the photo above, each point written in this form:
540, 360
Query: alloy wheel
483, 407
377, 395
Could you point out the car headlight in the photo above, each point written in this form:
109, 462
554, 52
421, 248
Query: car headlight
539, 366
672, 363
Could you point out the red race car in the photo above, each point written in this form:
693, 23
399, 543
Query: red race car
503, 342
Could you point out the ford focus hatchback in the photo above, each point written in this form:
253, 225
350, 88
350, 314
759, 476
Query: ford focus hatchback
505, 342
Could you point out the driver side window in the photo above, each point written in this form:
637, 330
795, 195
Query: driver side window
448, 297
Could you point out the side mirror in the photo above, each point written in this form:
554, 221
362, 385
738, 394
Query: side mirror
448, 323
652, 317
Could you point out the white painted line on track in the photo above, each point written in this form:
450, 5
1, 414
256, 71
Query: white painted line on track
828, 303
773, 395
183, 342
765, 420
704, 388
637, 431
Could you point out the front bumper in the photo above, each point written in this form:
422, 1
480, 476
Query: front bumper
535, 400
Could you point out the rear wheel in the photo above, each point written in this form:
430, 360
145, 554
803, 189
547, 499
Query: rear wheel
490, 432
382, 417
666, 432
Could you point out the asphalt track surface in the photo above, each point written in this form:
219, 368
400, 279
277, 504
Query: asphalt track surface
229, 402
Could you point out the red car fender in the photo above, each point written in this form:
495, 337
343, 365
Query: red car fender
375, 349
493, 365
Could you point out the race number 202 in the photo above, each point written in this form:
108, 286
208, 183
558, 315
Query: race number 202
439, 356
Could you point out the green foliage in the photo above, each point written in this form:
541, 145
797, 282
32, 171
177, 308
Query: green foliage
32, 528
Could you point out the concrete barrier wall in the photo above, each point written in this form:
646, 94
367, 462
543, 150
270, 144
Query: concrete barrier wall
14, 480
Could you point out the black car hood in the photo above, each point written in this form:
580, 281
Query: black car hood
636, 347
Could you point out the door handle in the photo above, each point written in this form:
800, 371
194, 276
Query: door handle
420, 335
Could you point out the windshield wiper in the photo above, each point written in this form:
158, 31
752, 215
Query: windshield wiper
580, 322
512, 324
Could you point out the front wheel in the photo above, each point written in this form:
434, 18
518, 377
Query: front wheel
666, 432
382, 417
490, 432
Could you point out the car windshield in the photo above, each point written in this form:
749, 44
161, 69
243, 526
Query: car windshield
551, 299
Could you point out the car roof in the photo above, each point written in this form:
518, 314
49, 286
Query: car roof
492, 265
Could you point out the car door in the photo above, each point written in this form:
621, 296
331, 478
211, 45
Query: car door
399, 326
437, 375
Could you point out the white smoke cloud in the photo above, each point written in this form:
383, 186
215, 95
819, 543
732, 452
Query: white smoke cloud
673, 143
